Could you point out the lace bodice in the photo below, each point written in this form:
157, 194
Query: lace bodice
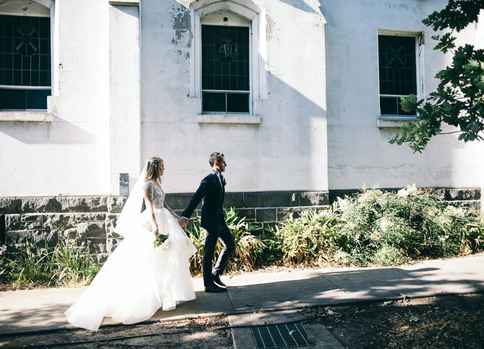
156, 194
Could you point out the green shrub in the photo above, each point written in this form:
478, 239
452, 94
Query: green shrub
308, 239
373, 227
36, 263
248, 248
389, 255
383, 228
72, 264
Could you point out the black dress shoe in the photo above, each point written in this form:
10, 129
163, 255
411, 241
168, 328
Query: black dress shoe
215, 289
218, 282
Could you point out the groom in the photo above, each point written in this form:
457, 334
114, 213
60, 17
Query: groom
212, 191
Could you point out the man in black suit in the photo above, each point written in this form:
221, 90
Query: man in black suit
212, 191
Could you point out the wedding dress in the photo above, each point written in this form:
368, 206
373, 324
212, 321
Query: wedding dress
138, 278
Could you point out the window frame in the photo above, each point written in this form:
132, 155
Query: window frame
419, 66
257, 50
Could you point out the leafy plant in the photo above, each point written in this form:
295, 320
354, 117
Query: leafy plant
383, 228
458, 100
72, 264
308, 239
36, 263
247, 246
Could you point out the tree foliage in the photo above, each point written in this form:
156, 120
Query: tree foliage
459, 98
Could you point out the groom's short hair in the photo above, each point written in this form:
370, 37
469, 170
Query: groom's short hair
216, 156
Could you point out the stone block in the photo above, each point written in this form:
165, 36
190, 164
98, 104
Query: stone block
234, 199
285, 213
110, 223
270, 199
13, 237
10, 205
116, 203
24, 222
266, 215
92, 230
69, 234
97, 247
247, 213
40, 204
84, 203
312, 198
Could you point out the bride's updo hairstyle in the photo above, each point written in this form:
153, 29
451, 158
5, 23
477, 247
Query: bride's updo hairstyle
153, 168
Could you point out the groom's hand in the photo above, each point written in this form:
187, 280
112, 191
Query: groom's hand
183, 221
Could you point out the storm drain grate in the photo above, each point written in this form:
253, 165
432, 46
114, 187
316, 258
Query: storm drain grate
280, 336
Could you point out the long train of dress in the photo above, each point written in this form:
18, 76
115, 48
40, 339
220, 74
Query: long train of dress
138, 279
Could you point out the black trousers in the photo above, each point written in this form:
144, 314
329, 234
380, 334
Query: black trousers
219, 232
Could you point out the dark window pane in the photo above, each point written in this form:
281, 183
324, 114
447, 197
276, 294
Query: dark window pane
37, 99
23, 99
23, 39
397, 65
225, 58
24, 61
213, 102
238, 102
388, 105
12, 99
392, 106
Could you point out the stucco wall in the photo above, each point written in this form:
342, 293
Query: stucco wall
70, 154
123, 95
359, 153
286, 152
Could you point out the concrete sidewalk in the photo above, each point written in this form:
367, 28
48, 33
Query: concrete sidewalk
42, 309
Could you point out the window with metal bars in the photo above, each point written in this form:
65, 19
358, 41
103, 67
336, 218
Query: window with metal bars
398, 72
25, 74
225, 69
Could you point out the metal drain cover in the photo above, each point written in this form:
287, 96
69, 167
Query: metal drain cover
278, 336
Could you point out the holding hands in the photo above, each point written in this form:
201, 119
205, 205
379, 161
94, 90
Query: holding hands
183, 221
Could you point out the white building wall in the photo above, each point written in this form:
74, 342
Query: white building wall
359, 153
286, 152
125, 118
109, 116
68, 155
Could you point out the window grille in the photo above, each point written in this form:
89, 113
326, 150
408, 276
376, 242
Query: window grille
398, 71
25, 73
225, 69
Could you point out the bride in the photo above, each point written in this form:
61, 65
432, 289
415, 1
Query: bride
140, 277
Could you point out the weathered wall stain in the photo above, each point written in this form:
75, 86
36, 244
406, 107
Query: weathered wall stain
181, 24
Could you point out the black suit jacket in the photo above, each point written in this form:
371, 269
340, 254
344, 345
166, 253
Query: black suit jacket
212, 193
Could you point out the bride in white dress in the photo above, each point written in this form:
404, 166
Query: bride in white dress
138, 278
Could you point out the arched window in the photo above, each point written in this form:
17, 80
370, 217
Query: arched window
228, 56
25, 55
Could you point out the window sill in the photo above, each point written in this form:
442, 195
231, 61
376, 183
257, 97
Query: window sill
243, 119
26, 116
124, 2
394, 121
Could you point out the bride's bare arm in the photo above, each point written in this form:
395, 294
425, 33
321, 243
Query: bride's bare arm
149, 206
